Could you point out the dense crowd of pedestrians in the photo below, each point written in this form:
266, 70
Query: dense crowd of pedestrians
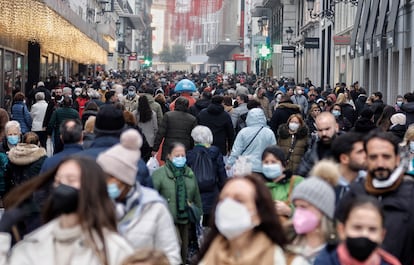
169, 168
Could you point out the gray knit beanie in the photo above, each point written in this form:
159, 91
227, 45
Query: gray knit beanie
317, 192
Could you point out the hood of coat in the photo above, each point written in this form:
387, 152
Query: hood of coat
288, 105
284, 131
24, 154
215, 109
256, 117
408, 107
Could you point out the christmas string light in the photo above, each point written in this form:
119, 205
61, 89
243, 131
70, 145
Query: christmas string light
31, 20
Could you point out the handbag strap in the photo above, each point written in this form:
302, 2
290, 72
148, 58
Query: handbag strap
291, 184
251, 140
292, 147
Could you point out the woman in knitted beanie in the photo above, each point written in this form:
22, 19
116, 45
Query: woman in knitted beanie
142, 214
314, 201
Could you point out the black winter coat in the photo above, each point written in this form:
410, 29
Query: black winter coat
219, 122
399, 217
408, 109
176, 126
209, 195
198, 106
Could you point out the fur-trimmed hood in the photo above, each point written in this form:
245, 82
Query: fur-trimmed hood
25, 154
283, 131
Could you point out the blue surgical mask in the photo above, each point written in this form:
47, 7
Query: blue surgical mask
272, 171
13, 139
113, 190
103, 88
412, 146
336, 113
179, 161
399, 103
131, 93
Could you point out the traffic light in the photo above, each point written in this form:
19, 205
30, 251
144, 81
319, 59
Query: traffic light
265, 52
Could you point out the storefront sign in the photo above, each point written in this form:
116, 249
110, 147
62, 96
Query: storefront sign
311, 43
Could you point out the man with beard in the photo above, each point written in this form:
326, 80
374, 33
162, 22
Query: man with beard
394, 189
348, 151
327, 129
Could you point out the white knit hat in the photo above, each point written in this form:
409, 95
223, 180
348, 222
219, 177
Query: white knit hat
121, 160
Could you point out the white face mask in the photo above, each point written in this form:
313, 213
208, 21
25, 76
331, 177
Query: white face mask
293, 126
232, 218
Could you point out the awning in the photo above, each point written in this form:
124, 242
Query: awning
137, 21
371, 25
363, 27
356, 27
223, 48
55, 27
392, 18
378, 37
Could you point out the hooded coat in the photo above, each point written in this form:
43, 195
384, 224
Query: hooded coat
282, 114
25, 162
219, 122
299, 148
251, 142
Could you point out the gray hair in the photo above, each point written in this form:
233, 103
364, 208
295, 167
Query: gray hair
40, 96
202, 135
12, 124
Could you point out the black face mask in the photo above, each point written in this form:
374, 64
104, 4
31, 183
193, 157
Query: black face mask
64, 199
360, 248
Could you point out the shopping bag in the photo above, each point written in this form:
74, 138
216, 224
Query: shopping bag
152, 164
49, 147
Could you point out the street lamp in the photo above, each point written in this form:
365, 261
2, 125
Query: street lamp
118, 28
289, 33
330, 12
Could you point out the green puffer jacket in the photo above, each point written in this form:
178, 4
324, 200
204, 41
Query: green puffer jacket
164, 182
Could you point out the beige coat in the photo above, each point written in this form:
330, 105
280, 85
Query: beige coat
39, 248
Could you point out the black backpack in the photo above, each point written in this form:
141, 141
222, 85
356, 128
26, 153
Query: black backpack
241, 122
203, 169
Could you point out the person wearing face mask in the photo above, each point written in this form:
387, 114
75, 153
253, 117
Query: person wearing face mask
300, 100
314, 201
343, 123
12, 137
388, 181
72, 233
103, 88
80, 100
362, 232
279, 180
245, 228
131, 100
138, 208
399, 101
176, 182
292, 137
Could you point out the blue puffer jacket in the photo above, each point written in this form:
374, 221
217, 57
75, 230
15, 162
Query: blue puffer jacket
255, 121
20, 113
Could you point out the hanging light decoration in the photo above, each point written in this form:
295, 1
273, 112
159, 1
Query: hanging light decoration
31, 20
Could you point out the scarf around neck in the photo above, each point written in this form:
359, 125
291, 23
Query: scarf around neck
180, 190
259, 250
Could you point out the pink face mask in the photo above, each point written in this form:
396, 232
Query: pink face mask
304, 221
